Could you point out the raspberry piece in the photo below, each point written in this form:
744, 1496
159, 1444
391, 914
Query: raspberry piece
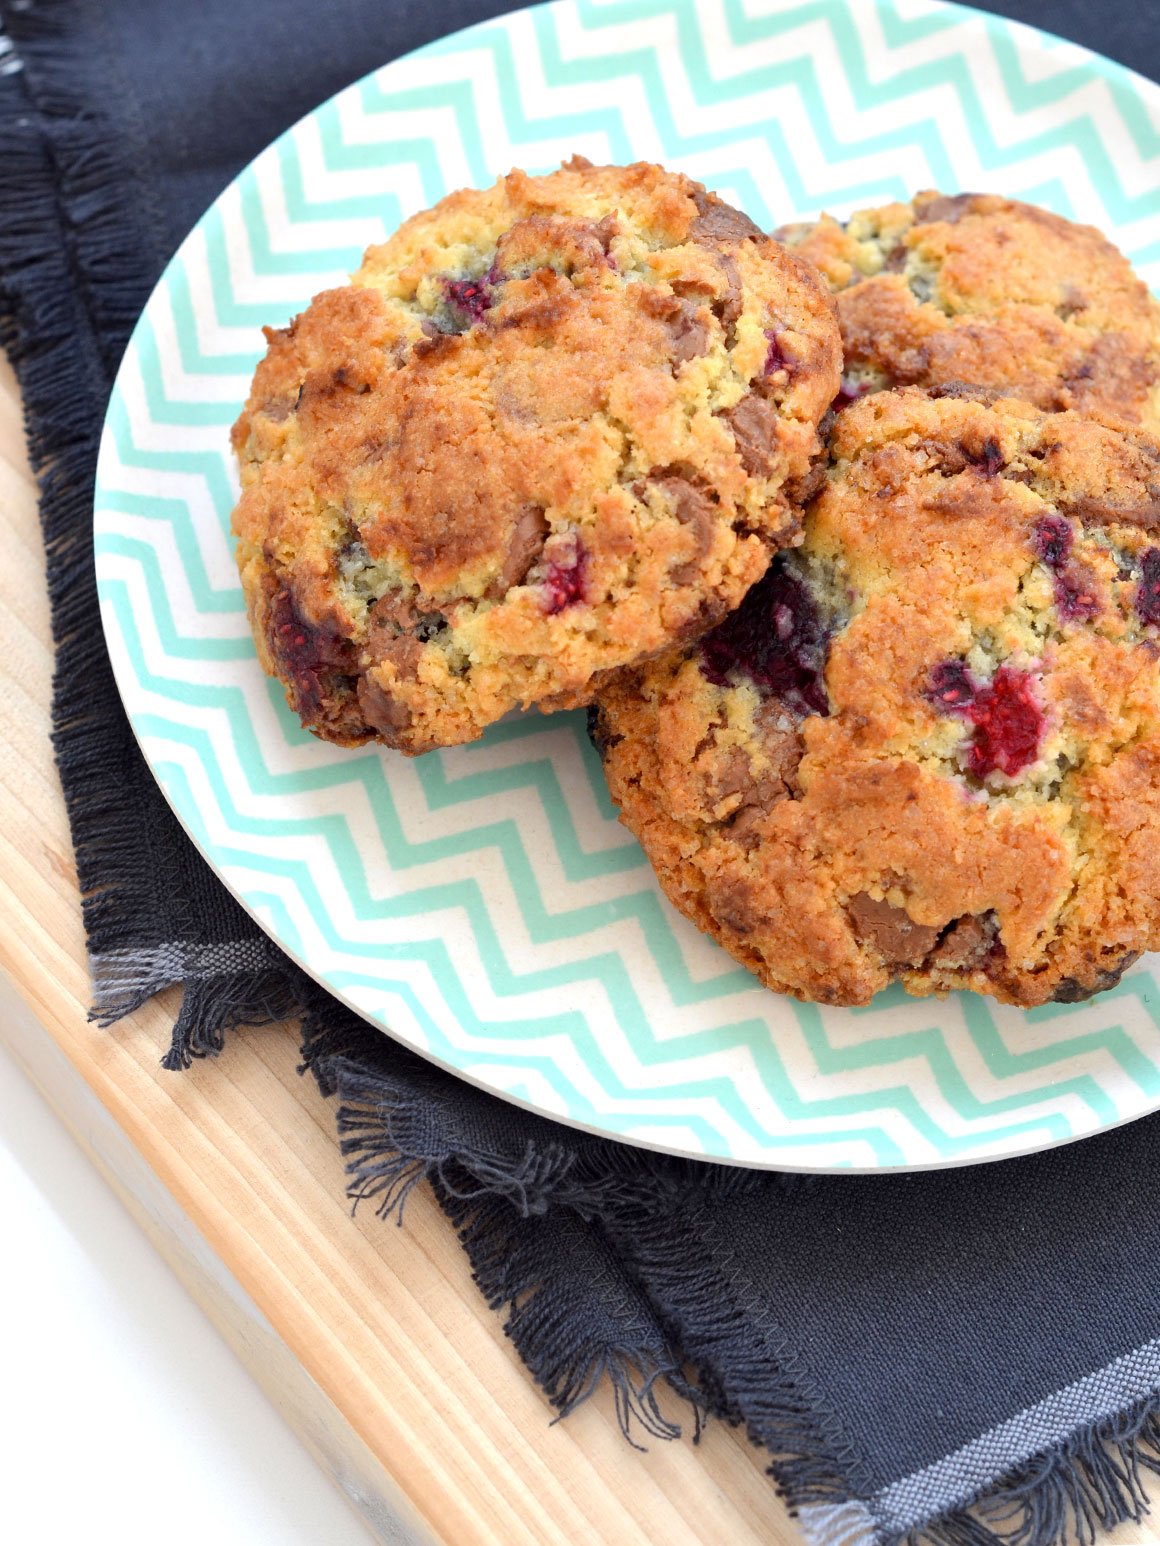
951, 686
1008, 724
470, 296
775, 358
1074, 597
563, 581
1053, 540
990, 460
848, 394
778, 638
312, 654
1007, 719
1148, 590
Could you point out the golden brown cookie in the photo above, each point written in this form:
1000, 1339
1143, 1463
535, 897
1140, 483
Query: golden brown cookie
927, 746
986, 291
547, 430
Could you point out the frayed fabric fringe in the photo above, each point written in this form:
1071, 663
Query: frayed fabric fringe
211, 1007
74, 273
574, 1314
665, 1315
1068, 1496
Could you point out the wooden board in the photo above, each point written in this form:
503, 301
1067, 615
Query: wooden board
371, 1339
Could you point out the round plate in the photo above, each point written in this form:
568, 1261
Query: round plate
482, 903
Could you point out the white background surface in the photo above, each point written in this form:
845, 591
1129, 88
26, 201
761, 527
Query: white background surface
124, 1418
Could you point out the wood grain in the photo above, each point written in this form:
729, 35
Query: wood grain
371, 1339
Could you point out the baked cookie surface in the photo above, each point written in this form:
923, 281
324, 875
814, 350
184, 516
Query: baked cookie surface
927, 746
987, 291
548, 429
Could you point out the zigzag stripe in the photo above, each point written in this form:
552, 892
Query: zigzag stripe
930, 1044
471, 901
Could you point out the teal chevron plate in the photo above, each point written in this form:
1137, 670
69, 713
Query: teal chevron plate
482, 904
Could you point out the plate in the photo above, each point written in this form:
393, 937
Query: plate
481, 903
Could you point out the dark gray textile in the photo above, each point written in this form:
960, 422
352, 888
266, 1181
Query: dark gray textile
902, 1347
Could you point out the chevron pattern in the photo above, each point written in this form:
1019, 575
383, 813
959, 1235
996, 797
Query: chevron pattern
482, 903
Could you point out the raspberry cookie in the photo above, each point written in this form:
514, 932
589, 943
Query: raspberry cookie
927, 746
986, 291
548, 429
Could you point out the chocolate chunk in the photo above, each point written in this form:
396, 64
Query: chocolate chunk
726, 306
1094, 511
710, 611
754, 423
896, 259
280, 408
985, 456
733, 906
394, 611
526, 541
891, 930
720, 222
384, 713
743, 825
605, 229
729, 306
1072, 991
602, 738
965, 944
694, 508
758, 794
404, 653
800, 491
322, 385
949, 209
690, 333
734, 775
395, 616
436, 346
687, 329
962, 391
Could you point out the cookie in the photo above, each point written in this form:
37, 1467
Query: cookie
926, 748
983, 290
548, 429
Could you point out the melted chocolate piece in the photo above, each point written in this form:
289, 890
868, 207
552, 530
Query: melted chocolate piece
949, 208
754, 423
720, 222
1072, 991
891, 930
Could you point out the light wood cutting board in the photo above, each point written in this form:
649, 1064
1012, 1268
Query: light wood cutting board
371, 1339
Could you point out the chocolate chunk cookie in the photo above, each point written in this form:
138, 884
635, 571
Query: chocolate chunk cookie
926, 748
986, 291
548, 429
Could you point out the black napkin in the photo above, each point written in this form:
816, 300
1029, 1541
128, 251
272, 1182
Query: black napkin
966, 1357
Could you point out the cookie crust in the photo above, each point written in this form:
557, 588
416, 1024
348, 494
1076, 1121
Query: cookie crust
984, 290
927, 747
549, 429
